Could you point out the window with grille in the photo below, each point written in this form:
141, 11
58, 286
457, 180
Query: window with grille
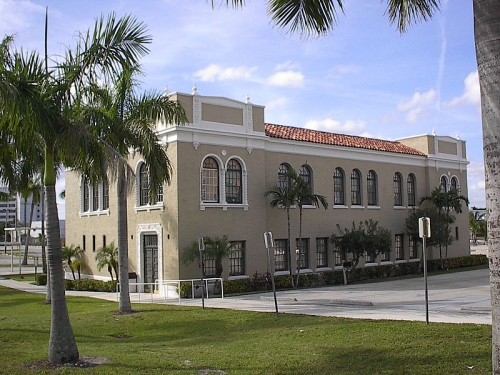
86, 196
305, 173
410, 182
322, 252
355, 187
454, 183
412, 247
210, 180
371, 188
283, 178
95, 196
303, 246
338, 187
398, 193
398, 246
105, 195
143, 185
237, 258
280, 255
233, 182
443, 185
209, 266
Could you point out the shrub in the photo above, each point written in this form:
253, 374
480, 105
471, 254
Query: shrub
41, 279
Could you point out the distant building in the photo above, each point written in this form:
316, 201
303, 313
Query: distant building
227, 156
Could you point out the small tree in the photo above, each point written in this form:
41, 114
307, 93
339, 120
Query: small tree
440, 230
366, 238
74, 259
107, 256
215, 248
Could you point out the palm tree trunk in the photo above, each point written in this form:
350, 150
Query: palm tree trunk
300, 242
124, 305
62, 343
26, 242
289, 246
487, 35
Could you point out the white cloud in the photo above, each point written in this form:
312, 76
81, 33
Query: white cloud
289, 78
215, 72
334, 126
471, 94
418, 99
17, 15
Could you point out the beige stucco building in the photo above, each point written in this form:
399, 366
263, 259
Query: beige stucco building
226, 157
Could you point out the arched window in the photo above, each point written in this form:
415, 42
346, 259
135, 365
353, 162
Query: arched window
143, 185
210, 180
283, 178
338, 187
410, 189
398, 191
371, 188
443, 185
454, 184
355, 187
305, 173
233, 182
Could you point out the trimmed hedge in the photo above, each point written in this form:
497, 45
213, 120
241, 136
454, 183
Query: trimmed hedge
262, 283
91, 285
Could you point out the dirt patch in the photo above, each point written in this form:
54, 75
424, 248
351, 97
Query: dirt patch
121, 336
83, 362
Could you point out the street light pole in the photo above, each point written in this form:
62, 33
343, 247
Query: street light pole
297, 256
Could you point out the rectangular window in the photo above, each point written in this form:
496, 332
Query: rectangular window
159, 196
237, 258
412, 245
209, 267
398, 249
95, 196
93, 242
280, 255
303, 256
210, 185
105, 195
103, 241
322, 252
84, 244
456, 233
370, 257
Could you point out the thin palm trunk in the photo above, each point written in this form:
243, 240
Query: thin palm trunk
486, 35
289, 245
300, 243
124, 305
62, 343
26, 242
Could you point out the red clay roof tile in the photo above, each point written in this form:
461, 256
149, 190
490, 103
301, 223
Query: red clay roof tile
315, 136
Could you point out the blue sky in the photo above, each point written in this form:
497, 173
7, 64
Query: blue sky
364, 78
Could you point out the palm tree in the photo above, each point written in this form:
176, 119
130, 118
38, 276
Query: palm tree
124, 121
283, 197
74, 259
215, 248
304, 196
319, 17
107, 256
37, 101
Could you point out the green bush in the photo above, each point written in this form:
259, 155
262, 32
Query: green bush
91, 285
41, 279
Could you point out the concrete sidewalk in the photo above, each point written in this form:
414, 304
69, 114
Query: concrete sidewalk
458, 297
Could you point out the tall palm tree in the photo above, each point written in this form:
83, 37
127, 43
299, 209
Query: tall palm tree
107, 256
304, 196
123, 121
42, 102
283, 197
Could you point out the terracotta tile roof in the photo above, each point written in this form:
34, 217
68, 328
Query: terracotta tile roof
315, 136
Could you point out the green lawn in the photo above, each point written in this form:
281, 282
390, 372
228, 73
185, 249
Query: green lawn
185, 340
